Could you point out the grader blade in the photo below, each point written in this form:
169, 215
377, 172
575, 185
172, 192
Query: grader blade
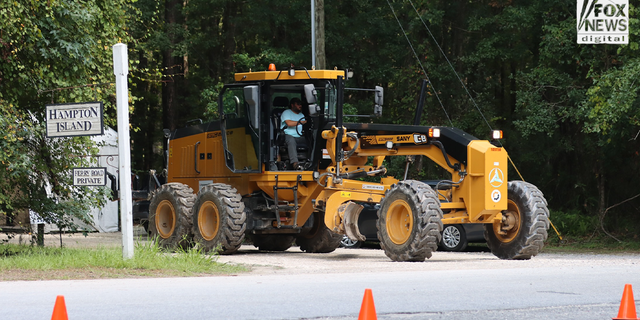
349, 212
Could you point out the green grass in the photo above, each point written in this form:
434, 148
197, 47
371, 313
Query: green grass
599, 244
25, 262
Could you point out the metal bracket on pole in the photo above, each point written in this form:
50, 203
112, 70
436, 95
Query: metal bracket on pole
121, 70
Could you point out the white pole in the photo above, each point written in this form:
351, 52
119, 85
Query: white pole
121, 69
313, 32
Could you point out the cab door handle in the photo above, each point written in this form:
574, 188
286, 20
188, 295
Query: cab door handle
195, 157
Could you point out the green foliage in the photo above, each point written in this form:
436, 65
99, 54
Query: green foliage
52, 52
574, 223
613, 98
569, 112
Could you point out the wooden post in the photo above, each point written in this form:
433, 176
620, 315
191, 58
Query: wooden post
40, 235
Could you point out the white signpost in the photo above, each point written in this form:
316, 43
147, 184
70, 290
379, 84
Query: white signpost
74, 119
121, 70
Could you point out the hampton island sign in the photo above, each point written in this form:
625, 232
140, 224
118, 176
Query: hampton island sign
78, 119
74, 119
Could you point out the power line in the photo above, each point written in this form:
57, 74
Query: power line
420, 63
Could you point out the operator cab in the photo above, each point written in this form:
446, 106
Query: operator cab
251, 109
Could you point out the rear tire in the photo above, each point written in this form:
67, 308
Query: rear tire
219, 218
272, 242
319, 239
170, 215
409, 221
527, 205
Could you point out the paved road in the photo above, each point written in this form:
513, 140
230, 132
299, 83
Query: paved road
295, 285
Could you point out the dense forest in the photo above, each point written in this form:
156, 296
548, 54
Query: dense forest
570, 113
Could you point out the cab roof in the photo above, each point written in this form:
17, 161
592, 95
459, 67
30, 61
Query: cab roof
283, 75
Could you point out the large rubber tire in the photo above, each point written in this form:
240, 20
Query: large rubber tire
319, 239
272, 242
528, 206
170, 215
409, 221
453, 238
219, 219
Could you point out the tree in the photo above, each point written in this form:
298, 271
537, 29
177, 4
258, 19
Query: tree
55, 51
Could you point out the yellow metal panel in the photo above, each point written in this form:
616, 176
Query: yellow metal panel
240, 145
452, 205
284, 75
416, 138
485, 188
182, 152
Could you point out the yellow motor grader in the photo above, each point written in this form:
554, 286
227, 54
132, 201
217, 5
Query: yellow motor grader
232, 178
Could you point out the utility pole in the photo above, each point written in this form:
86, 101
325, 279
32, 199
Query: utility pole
321, 60
313, 33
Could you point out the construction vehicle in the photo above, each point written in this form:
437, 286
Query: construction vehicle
231, 178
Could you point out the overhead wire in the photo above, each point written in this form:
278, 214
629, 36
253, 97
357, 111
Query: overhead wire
450, 64
420, 63
468, 93
461, 82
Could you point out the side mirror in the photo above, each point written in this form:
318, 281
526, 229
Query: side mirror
310, 94
251, 96
313, 109
379, 101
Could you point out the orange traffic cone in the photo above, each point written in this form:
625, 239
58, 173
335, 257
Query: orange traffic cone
368, 310
627, 305
59, 310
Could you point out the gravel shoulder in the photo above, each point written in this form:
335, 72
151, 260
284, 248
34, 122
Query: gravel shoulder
293, 261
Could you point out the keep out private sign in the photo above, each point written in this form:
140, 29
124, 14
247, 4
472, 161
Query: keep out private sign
74, 119
90, 176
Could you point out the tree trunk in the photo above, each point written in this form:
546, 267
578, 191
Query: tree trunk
229, 31
170, 64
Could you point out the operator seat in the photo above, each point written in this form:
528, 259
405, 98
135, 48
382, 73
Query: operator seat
280, 104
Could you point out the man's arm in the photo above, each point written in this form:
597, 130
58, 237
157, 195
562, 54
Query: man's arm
291, 123
286, 115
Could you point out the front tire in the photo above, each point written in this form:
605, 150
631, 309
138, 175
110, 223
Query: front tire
170, 215
219, 218
409, 221
523, 231
319, 239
